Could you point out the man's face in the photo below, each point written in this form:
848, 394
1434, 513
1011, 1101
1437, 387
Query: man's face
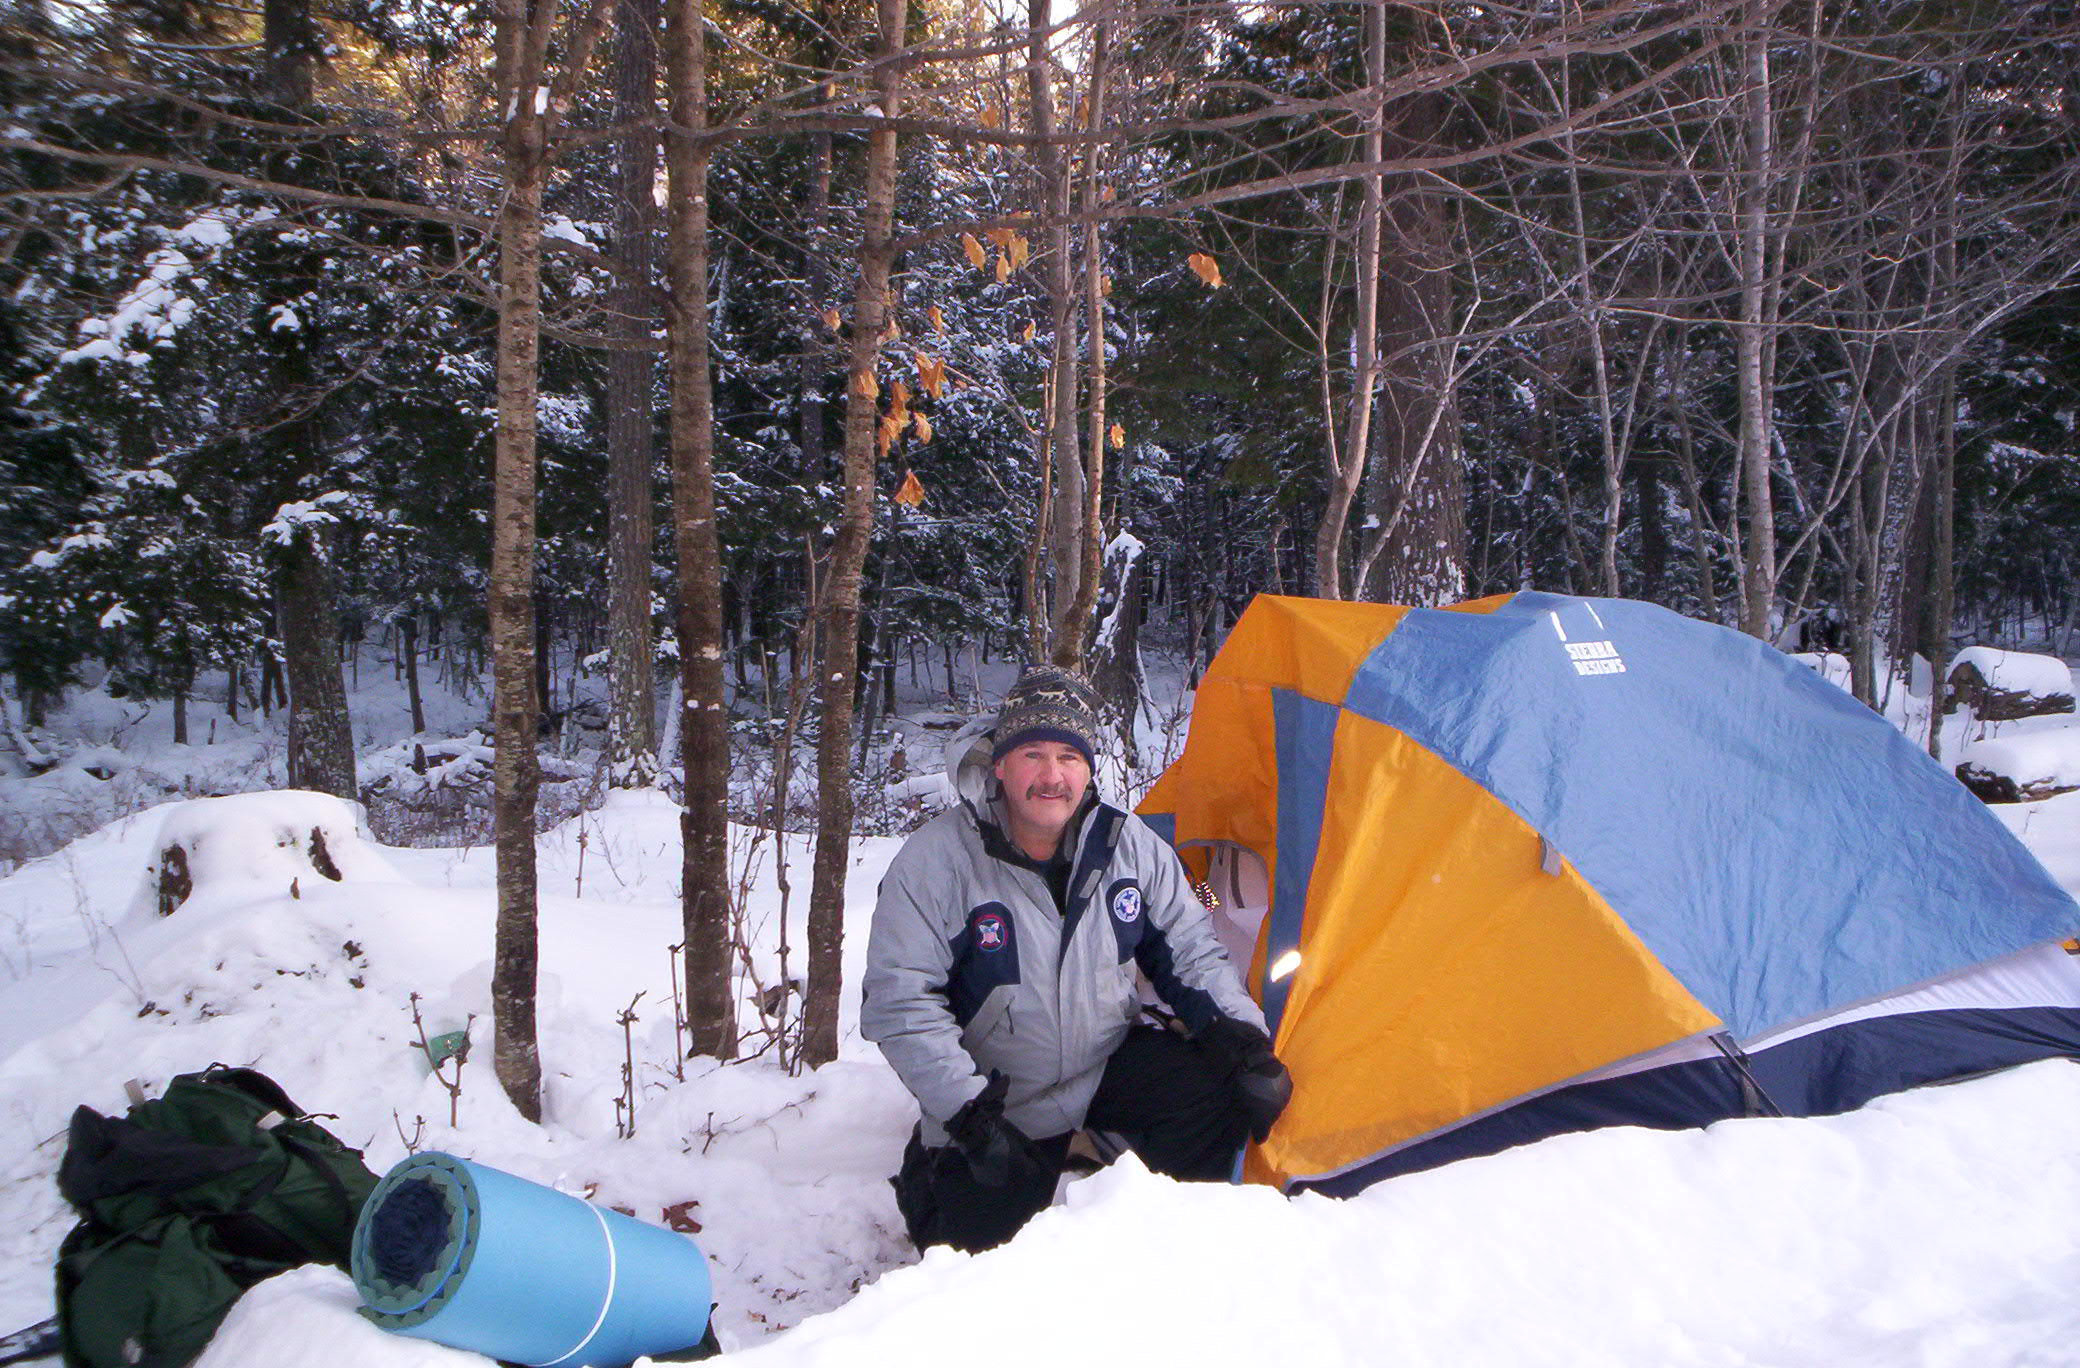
1044, 783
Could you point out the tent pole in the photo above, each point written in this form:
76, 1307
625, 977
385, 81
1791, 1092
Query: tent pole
1758, 1102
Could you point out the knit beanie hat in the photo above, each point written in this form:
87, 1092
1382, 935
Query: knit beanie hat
1048, 703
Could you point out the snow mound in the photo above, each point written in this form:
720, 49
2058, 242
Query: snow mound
283, 1319
246, 842
1786, 1242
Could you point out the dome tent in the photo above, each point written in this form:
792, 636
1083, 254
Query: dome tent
1535, 864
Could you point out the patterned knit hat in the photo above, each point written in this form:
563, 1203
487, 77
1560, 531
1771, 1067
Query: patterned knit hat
1048, 703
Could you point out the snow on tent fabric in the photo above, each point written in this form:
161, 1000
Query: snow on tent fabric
1547, 863
475, 1258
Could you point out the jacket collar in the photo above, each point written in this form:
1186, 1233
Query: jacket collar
989, 820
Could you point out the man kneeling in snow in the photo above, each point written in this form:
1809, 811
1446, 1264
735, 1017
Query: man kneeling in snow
1000, 983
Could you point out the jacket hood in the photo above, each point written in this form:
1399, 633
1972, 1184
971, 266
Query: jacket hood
968, 764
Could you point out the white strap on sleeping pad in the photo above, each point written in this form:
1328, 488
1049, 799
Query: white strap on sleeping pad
606, 1299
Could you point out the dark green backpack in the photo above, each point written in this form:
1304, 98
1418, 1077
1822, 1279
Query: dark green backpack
187, 1201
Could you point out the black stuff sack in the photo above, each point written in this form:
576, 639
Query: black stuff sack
186, 1201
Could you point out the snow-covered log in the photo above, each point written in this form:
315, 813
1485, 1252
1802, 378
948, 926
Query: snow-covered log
1998, 686
2022, 768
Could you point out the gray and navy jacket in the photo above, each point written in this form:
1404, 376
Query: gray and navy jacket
970, 968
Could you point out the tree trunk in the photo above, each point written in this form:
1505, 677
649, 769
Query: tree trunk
1115, 658
293, 45
1347, 470
632, 689
1075, 630
704, 729
1065, 534
1866, 518
1942, 542
321, 736
1032, 592
1759, 578
1653, 532
1942, 539
1693, 492
1415, 491
848, 557
816, 276
1592, 312
408, 629
516, 775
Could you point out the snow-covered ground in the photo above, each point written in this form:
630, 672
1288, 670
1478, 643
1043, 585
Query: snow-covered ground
315, 988
1931, 1228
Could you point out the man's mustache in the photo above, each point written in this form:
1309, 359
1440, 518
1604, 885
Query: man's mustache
1036, 791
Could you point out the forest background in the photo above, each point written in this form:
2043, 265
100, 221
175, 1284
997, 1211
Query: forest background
737, 351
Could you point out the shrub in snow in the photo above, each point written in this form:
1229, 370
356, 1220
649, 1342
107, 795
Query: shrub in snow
2022, 768
277, 841
1998, 686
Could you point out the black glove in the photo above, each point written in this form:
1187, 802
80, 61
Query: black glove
1242, 1054
998, 1153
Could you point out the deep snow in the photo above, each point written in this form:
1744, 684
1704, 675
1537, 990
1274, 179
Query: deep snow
1932, 1228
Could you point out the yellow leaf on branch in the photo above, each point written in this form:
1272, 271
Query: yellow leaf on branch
1019, 250
931, 375
1206, 268
886, 435
990, 119
1003, 269
865, 385
938, 320
1105, 287
922, 426
1001, 238
832, 321
912, 492
976, 256
1119, 437
1027, 334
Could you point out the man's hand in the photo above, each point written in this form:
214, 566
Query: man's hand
1243, 1054
998, 1153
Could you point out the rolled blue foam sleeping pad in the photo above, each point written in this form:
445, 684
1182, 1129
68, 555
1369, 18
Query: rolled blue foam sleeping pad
470, 1257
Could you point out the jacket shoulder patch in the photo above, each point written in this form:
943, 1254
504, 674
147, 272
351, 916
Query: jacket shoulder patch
985, 958
1123, 903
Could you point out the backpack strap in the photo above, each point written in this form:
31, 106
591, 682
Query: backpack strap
253, 1084
349, 1212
